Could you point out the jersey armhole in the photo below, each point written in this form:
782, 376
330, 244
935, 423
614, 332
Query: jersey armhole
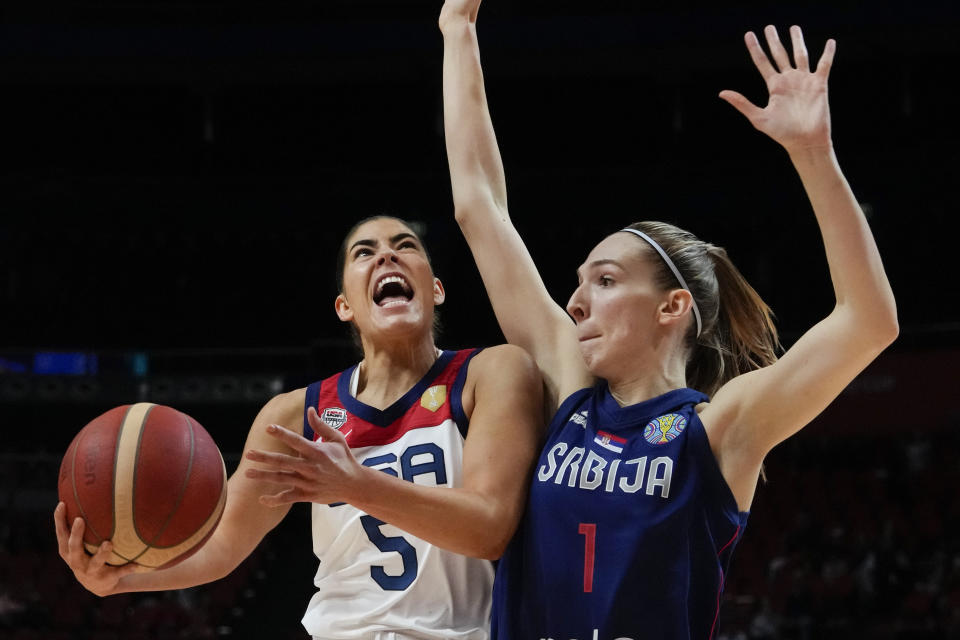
719, 489
312, 400
562, 416
456, 402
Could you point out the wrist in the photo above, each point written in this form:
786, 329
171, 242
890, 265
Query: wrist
359, 490
812, 155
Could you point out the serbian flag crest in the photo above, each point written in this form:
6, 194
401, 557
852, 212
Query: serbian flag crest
610, 441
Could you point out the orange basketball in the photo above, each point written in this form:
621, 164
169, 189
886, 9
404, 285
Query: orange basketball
147, 477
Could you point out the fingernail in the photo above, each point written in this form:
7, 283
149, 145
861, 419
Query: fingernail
271, 428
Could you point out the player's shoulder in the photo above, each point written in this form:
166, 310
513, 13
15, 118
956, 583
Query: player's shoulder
503, 360
285, 409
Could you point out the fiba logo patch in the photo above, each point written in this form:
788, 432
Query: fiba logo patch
334, 417
434, 397
665, 428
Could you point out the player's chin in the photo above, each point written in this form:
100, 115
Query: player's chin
594, 358
401, 318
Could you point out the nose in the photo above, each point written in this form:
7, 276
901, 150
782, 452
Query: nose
387, 254
576, 306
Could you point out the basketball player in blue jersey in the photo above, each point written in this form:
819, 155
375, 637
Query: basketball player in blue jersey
408, 504
666, 387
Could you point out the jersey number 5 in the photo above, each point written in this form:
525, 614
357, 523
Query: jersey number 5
390, 543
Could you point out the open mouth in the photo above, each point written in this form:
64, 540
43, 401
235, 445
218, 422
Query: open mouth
391, 290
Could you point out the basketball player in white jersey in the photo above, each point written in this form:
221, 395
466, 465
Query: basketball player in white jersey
407, 508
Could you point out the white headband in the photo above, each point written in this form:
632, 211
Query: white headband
676, 272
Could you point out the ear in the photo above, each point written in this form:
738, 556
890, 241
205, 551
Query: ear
675, 307
344, 311
439, 295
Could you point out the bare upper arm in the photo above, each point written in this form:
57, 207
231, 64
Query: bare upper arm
245, 521
503, 399
528, 316
754, 412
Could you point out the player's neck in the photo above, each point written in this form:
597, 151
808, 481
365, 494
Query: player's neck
644, 383
646, 369
388, 372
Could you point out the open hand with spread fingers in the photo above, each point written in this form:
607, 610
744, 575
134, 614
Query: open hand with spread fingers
324, 471
797, 114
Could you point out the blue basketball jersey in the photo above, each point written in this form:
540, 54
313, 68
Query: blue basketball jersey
629, 527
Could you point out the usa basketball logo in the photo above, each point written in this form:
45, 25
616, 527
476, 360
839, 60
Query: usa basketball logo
665, 428
334, 417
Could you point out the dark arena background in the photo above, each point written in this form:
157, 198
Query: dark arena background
175, 177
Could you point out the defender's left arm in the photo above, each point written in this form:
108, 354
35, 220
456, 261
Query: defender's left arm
753, 412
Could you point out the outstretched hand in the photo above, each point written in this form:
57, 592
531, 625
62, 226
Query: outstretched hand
322, 472
458, 9
797, 114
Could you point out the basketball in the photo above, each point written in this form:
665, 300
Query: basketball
148, 478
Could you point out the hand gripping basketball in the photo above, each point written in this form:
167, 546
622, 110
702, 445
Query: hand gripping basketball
141, 484
92, 572
322, 472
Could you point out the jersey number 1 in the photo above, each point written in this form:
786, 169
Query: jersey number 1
589, 533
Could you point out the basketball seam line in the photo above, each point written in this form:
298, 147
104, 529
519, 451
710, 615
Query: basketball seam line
183, 488
113, 480
123, 423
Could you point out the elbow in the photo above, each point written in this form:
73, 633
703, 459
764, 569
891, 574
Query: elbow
462, 214
881, 330
491, 534
886, 327
875, 328
493, 540
495, 548
470, 208
467, 210
490, 549
892, 328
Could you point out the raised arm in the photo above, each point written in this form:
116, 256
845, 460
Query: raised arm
527, 314
752, 413
502, 396
244, 523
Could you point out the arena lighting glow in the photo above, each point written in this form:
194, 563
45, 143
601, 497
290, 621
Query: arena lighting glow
12, 366
60, 363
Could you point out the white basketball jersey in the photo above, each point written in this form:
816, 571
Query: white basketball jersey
375, 580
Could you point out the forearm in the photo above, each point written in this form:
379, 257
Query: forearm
476, 170
859, 280
244, 524
235, 537
207, 565
456, 519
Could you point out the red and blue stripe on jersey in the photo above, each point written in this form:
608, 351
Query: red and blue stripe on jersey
366, 426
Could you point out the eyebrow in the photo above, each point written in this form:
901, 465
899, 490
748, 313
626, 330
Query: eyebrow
367, 242
600, 263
